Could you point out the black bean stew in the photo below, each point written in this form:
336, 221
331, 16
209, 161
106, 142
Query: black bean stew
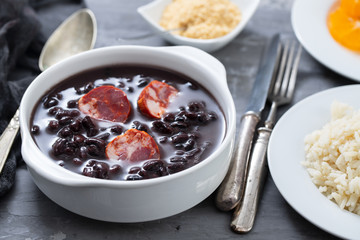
189, 131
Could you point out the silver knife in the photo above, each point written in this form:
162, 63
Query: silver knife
231, 189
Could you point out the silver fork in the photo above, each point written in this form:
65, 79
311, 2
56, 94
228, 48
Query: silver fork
281, 92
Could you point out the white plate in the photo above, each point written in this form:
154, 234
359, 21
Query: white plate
286, 152
152, 14
309, 23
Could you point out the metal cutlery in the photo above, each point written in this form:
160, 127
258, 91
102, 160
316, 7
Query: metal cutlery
231, 189
282, 91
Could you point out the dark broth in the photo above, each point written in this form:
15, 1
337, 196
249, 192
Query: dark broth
196, 123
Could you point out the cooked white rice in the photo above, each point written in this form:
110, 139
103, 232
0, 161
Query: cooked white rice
332, 157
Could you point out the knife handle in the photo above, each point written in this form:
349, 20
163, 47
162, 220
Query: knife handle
244, 214
231, 189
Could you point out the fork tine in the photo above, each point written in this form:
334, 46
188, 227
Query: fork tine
294, 71
286, 77
281, 69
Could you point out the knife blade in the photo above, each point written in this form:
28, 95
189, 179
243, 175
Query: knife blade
231, 189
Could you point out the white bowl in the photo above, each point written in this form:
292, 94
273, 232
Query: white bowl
152, 14
131, 201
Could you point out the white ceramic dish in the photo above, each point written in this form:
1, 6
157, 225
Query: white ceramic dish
286, 152
152, 13
131, 201
309, 23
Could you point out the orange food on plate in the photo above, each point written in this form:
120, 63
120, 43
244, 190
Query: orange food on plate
134, 145
155, 98
351, 7
106, 103
343, 27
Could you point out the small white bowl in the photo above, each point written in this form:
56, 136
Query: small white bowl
152, 13
131, 201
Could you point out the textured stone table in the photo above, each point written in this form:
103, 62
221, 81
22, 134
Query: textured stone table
26, 213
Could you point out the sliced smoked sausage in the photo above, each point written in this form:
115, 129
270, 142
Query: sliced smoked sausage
155, 98
134, 145
106, 103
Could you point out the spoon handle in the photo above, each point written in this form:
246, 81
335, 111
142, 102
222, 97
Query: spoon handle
7, 138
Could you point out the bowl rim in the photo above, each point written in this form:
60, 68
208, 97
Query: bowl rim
75, 179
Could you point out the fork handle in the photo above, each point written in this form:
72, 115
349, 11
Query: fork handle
7, 138
232, 187
244, 214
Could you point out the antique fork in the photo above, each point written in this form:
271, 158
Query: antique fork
281, 92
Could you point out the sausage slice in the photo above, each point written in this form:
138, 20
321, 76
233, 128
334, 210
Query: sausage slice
134, 146
106, 103
155, 98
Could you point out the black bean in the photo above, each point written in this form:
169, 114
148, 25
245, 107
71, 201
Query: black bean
79, 139
196, 106
177, 159
181, 125
50, 103
116, 168
92, 132
61, 163
180, 118
134, 170
179, 152
179, 138
65, 120
133, 177
74, 113
99, 143
163, 139
140, 126
59, 146
121, 85
192, 153
65, 132
178, 146
142, 82
192, 86
162, 127
72, 104
202, 118
130, 89
96, 170
87, 123
189, 144
69, 150
52, 111
62, 113
93, 150
169, 117
144, 174
35, 130
53, 125
212, 116
103, 136
71, 143
176, 167
75, 125
194, 135
117, 129
78, 90
191, 115
83, 153
77, 161
88, 87
58, 96
153, 165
